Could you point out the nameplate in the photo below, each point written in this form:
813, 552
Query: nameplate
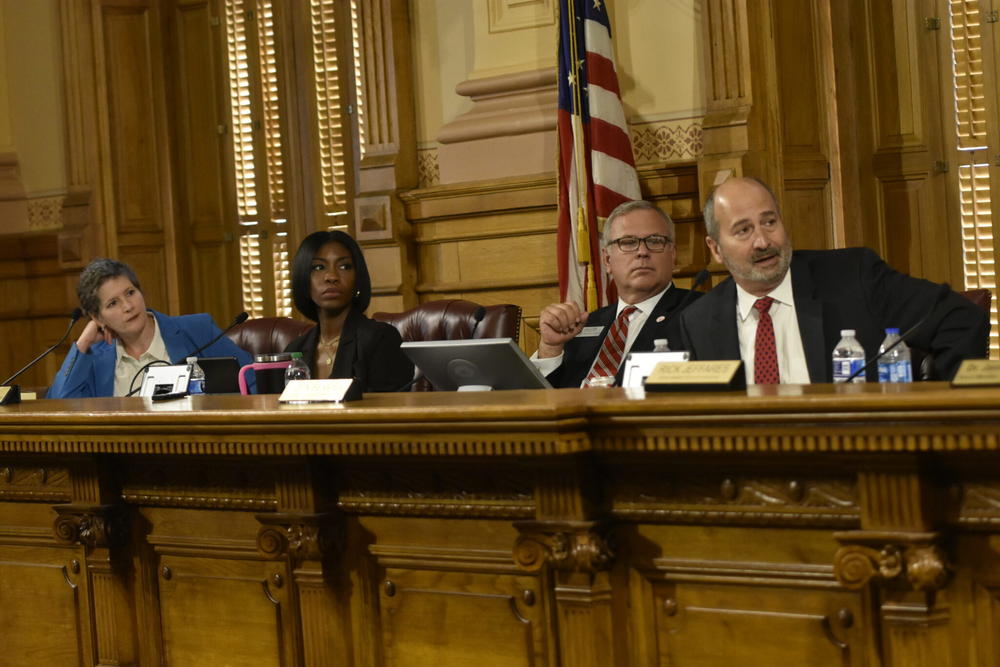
978, 373
10, 394
690, 375
591, 332
316, 391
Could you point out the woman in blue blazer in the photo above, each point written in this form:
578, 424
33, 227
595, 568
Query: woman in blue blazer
123, 335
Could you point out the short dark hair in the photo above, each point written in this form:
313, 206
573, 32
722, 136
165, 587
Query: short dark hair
302, 268
94, 275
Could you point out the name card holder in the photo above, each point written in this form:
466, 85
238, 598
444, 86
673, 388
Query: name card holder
697, 376
10, 394
300, 392
978, 373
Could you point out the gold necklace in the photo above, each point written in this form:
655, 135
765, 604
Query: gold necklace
329, 350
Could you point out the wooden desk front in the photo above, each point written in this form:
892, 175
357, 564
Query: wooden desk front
779, 526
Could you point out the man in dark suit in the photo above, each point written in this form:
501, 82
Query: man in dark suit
807, 297
638, 253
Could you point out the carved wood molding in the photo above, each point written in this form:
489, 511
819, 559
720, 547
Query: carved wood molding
411, 444
36, 483
92, 526
430, 507
653, 494
908, 560
573, 546
298, 537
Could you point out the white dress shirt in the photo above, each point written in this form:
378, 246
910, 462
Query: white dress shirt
127, 366
792, 367
635, 323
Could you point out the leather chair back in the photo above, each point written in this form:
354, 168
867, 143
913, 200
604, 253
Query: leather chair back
265, 335
452, 319
447, 319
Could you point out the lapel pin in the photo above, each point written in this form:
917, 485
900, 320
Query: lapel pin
661, 318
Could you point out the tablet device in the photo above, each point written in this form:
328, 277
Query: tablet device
488, 362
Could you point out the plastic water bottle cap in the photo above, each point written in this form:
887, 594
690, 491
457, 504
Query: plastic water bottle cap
892, 331
847, 332
192, 360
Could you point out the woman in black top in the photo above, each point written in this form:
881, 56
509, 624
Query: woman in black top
331, 286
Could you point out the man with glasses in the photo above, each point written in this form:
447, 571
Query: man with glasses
783, 310
638, 253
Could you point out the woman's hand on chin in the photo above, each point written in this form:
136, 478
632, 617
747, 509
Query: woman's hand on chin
92, 333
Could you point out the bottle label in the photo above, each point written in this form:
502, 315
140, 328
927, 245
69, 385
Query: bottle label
895, 371
845, 368
196, 386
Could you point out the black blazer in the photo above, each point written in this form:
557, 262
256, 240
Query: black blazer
580, 352
368, 351
851, 288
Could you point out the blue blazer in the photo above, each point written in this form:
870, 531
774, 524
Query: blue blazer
93, 374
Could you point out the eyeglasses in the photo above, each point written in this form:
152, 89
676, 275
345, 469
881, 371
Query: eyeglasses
654, 243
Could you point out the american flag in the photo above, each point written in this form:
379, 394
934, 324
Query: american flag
596, 166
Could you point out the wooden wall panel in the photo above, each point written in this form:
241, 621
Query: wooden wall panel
136, 175
37, 590
455, 618
36, 298
717, 625
199, 629
211, 264
908, 139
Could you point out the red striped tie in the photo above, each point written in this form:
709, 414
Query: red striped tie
613, 348
765, 356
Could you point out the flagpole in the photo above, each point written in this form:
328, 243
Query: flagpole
583, 249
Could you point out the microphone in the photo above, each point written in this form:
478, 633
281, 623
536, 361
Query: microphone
240, 319
416, 378
942, 292
699, 280
477, 317
74, 316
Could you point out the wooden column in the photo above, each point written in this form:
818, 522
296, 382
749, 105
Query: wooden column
98, 522
570, 537
298, 537
898, 552
388, 163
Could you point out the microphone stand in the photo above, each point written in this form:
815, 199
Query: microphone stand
942, 292
12, 393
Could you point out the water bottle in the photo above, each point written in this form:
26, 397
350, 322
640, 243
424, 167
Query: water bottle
297, 370
196, 377
894, 366
848, 357
660, 345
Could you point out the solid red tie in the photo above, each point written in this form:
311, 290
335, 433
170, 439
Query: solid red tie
613, 348
765, 356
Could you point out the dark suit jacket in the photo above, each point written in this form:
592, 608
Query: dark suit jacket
850, 288
580, 352
368, 351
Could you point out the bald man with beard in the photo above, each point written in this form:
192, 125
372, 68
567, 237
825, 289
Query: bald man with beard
808, 296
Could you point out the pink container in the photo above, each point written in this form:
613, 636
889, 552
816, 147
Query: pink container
262, 385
